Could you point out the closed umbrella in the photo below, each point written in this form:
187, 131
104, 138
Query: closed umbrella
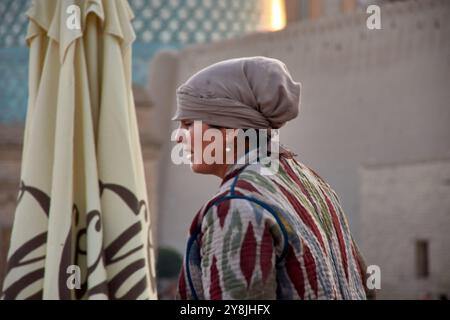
82, 226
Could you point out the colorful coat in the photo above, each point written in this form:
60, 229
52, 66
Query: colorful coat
280, 236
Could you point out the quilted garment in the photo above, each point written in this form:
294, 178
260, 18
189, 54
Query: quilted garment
280, 236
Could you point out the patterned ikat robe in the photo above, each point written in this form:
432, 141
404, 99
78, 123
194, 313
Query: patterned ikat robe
280, 236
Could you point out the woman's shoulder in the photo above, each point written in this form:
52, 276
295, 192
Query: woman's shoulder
247, 194
238, 210
251, 181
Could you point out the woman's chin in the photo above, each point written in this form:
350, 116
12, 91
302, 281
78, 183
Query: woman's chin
197, 168
201, 168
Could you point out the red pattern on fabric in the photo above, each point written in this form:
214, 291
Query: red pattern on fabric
295, 272
298, 181
295, 178
209, 204
237, 193
182, 285
310, 267
242, 184
266, 253
340, 237
194, 224
222, 211
313, 172
304, 215
248, 254
232, 174
215, 291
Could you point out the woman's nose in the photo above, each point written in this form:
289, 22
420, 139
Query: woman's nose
179, 135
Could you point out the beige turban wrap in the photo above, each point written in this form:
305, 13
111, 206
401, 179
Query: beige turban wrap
255, 92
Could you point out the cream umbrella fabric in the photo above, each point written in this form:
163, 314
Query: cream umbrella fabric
82, 204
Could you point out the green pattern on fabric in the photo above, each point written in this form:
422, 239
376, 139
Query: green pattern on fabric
231, 245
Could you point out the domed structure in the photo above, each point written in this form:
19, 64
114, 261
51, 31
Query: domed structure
158, 24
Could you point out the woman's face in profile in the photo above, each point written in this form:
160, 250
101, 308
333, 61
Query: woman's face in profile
199, 149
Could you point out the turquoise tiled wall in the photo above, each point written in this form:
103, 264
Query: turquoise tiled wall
158, 24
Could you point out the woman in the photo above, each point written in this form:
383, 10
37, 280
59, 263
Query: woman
274, 234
